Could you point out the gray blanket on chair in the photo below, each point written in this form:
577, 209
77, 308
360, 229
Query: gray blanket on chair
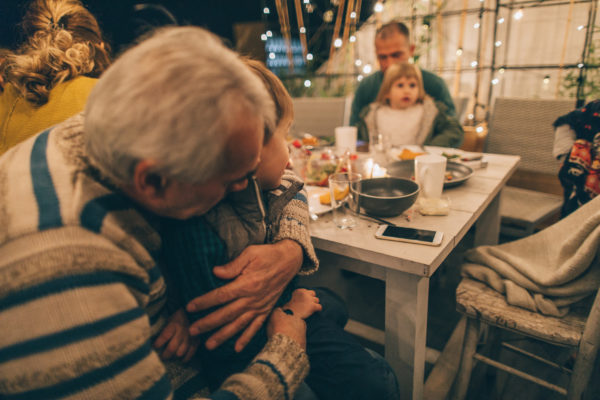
547, 271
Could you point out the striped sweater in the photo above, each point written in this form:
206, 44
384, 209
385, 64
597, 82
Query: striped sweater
81, 294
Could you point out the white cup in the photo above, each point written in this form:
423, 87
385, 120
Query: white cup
345, 139
430, 170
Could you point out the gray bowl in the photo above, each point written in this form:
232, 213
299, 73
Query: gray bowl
387, 197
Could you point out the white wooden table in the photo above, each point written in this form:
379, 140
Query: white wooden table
407, 268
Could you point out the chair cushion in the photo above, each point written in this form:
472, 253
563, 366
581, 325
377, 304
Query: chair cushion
528, 206
478, 301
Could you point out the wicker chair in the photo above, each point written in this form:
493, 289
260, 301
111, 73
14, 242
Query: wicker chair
319, 116
484, 306
523, 127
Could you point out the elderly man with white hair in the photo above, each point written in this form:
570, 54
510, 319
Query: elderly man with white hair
170, 128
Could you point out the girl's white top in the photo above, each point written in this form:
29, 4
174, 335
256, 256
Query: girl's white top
400, 127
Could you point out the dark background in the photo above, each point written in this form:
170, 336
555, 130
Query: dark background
119, 24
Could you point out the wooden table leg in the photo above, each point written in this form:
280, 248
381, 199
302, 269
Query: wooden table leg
487, 227
406, 330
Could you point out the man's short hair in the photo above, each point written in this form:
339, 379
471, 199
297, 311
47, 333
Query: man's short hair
391, 28
175, 99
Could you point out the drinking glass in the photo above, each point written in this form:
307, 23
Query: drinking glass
344, 188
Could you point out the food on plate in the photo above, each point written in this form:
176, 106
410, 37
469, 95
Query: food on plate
309, 140
451, 156
407, 154
320, 166
448, 176
325, 198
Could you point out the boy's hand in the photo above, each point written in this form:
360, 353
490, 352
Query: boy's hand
176, 339
260, 274
304, 303
291, 326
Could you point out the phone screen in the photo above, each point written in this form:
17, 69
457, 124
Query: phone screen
409, 233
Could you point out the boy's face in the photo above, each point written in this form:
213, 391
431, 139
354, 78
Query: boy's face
274, 156
404, 93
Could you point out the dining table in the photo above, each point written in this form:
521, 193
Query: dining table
407, 268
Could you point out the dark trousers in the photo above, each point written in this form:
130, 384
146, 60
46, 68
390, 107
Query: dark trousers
340, 367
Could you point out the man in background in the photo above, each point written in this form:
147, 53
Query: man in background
392, 46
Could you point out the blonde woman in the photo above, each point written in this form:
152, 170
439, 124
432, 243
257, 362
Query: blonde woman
49, 78
404, 114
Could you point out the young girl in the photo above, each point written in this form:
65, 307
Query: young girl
403, 114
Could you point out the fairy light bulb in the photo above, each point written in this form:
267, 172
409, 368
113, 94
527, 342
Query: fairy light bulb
459, 52
518, 14
307, 83
367, 69
378, 7
337, 42
266, 10
358, 63
263, 37
309, 56
269, 34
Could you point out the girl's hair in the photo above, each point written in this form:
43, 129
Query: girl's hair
395, 72
284, 108
63, 41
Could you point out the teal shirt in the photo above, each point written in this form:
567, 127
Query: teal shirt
367, 91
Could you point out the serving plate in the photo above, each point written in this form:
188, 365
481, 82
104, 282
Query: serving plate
406, 169
314, 204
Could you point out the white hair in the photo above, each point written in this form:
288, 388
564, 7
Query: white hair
173, 99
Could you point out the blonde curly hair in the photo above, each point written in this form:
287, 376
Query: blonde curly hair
63, 42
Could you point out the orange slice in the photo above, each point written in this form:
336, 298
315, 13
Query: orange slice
325, 198
406, 154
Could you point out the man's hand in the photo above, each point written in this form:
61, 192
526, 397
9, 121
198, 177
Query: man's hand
291, 326
176, 339
261, 274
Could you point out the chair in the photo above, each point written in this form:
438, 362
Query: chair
319, 116
483, 305
460, 104
524, 127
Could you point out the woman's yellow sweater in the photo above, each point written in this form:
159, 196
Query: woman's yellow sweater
20, 119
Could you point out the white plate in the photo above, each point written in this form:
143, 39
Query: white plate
314, 204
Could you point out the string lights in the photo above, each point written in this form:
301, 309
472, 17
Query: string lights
518, 14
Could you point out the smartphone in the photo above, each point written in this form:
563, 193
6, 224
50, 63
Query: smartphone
410, 235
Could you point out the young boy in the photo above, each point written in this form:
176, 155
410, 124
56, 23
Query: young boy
192, 247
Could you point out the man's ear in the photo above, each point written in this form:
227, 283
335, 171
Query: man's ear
412, 50
147, 183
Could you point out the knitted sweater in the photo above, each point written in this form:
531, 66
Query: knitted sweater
244, 219
81, 294
20, 119
437, 128
367, 91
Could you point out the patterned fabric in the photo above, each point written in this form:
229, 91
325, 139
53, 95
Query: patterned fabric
580, 173
81, 294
